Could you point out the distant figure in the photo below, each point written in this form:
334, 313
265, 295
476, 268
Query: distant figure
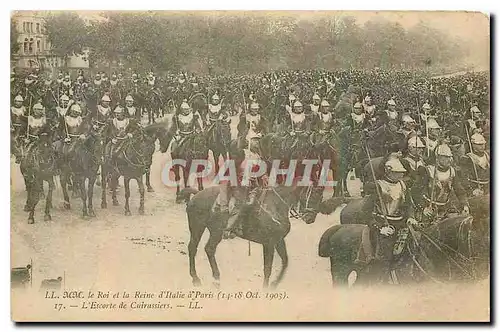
20, 276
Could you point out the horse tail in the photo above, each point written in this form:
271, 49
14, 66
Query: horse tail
186, 193
324, 247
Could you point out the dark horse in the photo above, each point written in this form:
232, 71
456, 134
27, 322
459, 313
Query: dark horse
80, 161
188, 148
132, 161
154, 103
454, 248
268, 224
38, 166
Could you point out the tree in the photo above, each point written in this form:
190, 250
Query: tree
14, 36
67, 34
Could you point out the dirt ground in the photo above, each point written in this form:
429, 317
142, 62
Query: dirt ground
117, 252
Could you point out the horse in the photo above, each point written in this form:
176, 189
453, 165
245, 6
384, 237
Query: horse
81, 161
132, 161
36, 167
449, 249
218, 139
153, 104
267, 224
188, 148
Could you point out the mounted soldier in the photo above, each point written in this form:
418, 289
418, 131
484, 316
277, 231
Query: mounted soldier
315, 106
38, 128
217, 112
117, 131
413, 158
436, 183
102, 114
323, 124
130, 110
18, 122
432, 138
252, 126
475, 168
392, 210
369, 109
185, 125
71, 129
116, 91
66, 85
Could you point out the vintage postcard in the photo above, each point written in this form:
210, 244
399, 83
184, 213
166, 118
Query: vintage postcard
250, 166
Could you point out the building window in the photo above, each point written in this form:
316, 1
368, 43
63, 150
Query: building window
25, 46
38, 46
30, 46
31, 27
24, 26
38, 28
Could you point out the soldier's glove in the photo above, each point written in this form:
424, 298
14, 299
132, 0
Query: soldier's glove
130, 135
95, 127
114, 141
466, 210
82, 137
26, 140
412, 222
387, 230
67, 140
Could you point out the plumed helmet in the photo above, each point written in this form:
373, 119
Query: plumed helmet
477, 139
105, 98
443, 150
415, 142
19, 98
391, 102
118, 109
64, 98
185, 105
297, 104
38, 107
325, 103
129, 98
316, 97
76, 108
358, 105
394, 165
215, 97
407, 118
426, 106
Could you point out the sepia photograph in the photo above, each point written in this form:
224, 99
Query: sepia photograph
250, 166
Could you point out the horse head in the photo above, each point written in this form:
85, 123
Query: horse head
159, 131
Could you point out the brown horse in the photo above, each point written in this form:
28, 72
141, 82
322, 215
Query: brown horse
267, 224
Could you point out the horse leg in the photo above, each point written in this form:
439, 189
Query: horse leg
104, 181
83, 195
126, 181
200, 184
210, 248
282, 252
185, 175
28, 185
34, 192
141, 192
148, 183
64, 183
114, 183
196, 234
268, 251
177, 178
48, 199
90, 194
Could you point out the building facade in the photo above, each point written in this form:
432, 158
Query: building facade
34, 45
